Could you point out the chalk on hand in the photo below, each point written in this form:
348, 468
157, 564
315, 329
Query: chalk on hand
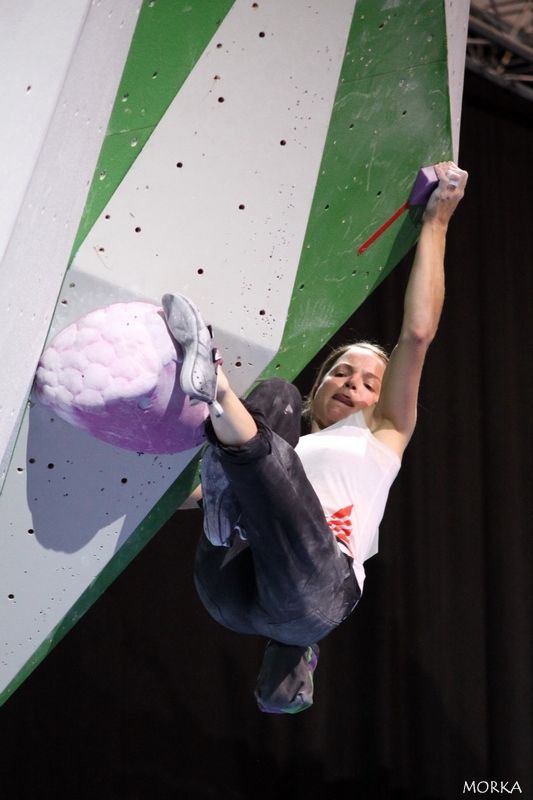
426, 182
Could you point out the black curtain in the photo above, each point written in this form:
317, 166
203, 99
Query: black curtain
427, 687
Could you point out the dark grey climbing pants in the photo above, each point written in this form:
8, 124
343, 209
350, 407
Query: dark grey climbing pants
291, 582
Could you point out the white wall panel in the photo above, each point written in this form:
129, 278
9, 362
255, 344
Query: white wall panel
38, 41
457, 12
71, 54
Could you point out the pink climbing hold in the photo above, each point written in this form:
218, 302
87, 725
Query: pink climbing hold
115, 374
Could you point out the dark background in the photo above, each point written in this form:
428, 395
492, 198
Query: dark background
428, 685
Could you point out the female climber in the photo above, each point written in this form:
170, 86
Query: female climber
289, 521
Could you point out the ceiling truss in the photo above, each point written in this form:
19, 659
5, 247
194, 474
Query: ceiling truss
500, 43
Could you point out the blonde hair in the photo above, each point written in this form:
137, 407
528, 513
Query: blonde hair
330, 360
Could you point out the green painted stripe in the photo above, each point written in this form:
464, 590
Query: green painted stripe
170, 37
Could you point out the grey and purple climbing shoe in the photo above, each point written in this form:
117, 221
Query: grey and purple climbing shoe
198, 377
285, 683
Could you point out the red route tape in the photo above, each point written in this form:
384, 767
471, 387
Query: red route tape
383, 228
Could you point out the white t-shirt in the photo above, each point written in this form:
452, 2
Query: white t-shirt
351, 472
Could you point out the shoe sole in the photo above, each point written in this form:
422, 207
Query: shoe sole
198, 374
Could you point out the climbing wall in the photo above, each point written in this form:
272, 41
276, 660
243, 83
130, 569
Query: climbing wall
252, 149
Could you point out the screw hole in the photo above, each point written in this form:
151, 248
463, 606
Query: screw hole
124, 480
200, 272
50, 466
283, 142
30, 530
137, 230
179, 164
261, 35
262, 312
241, 207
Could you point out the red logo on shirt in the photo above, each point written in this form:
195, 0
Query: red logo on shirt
341, 524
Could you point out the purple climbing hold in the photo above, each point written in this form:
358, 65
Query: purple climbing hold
426, 182
115, 374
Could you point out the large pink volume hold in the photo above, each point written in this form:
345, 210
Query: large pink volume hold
115, 374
